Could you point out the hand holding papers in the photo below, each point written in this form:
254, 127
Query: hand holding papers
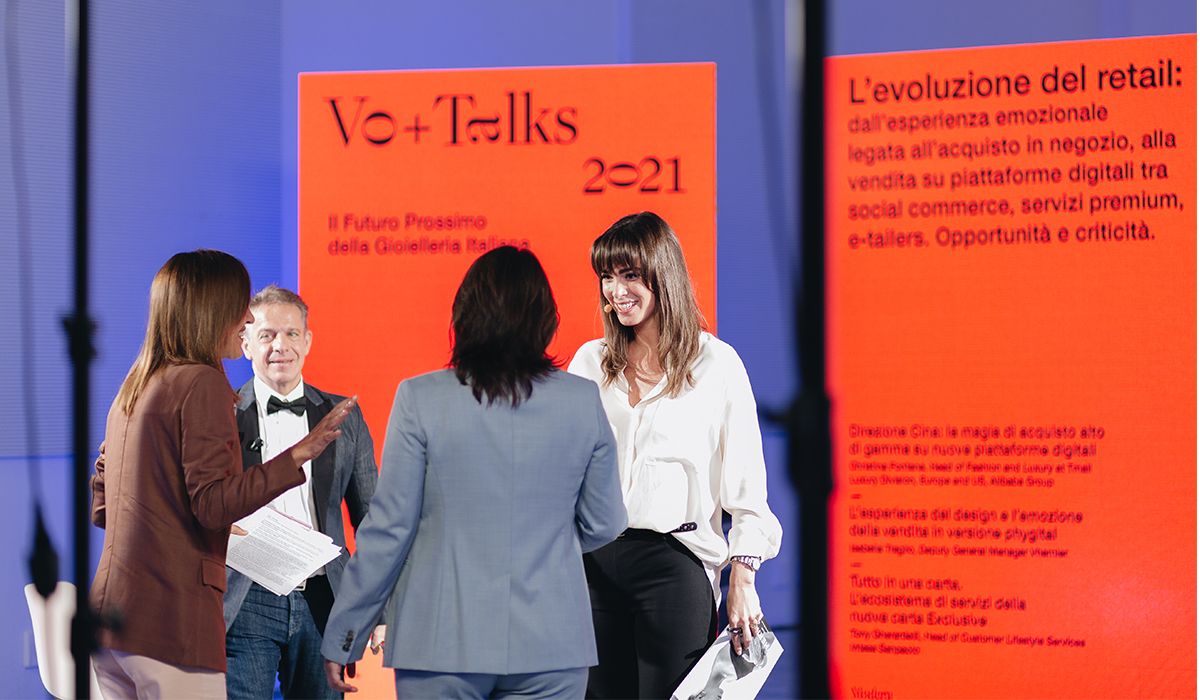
722, 675
378, 638
278, 552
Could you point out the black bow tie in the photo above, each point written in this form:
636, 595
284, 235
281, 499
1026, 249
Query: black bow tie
275, 404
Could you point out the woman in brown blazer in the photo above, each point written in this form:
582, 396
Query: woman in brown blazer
169, 483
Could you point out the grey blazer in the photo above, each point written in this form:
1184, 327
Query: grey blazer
478, 528
345, 470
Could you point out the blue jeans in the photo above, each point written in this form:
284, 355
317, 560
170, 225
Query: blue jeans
274, 634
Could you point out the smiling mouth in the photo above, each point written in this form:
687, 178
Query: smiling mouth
624, 307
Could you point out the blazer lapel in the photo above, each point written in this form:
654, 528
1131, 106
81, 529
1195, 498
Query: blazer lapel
324, 465
247, 420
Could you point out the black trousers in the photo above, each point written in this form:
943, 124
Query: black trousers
654, 614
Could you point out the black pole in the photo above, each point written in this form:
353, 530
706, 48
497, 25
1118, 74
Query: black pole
809, 450
79, 333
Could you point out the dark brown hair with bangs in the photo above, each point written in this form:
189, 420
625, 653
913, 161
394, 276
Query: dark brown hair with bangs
503, 319
645, 242
195, 299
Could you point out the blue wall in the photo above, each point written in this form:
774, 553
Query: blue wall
194, 133
186, 154
872, 26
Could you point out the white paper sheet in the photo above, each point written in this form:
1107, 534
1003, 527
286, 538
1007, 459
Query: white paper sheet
714, 677
278, 552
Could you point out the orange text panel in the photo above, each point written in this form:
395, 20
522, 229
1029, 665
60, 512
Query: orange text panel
1011, 252
407, 177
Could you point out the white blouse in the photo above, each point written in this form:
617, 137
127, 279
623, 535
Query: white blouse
687, 458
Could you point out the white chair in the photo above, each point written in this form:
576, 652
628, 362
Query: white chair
52, 639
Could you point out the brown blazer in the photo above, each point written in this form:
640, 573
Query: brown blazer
168, 485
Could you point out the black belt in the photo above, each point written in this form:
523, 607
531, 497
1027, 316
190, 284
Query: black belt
639, 533
304, 584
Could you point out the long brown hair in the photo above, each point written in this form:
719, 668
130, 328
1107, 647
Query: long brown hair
503, 319
646, 243
195, 299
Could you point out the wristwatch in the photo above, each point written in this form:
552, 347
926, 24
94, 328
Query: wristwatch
749, 562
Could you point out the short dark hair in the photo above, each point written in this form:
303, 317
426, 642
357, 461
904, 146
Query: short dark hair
274, 294
504, 318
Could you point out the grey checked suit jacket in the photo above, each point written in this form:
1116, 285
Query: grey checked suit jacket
478, 526
345, 470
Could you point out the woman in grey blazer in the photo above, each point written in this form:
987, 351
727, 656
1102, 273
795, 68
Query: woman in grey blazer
497, 474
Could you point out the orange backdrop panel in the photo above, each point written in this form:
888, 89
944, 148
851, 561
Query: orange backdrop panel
1011, 252
407, 177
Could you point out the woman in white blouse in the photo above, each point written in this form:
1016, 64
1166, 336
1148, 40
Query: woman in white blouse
680, 404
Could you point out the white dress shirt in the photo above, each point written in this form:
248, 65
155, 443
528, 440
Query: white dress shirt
687, 458
279, 431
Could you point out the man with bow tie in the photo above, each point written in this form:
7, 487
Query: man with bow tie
267, 634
